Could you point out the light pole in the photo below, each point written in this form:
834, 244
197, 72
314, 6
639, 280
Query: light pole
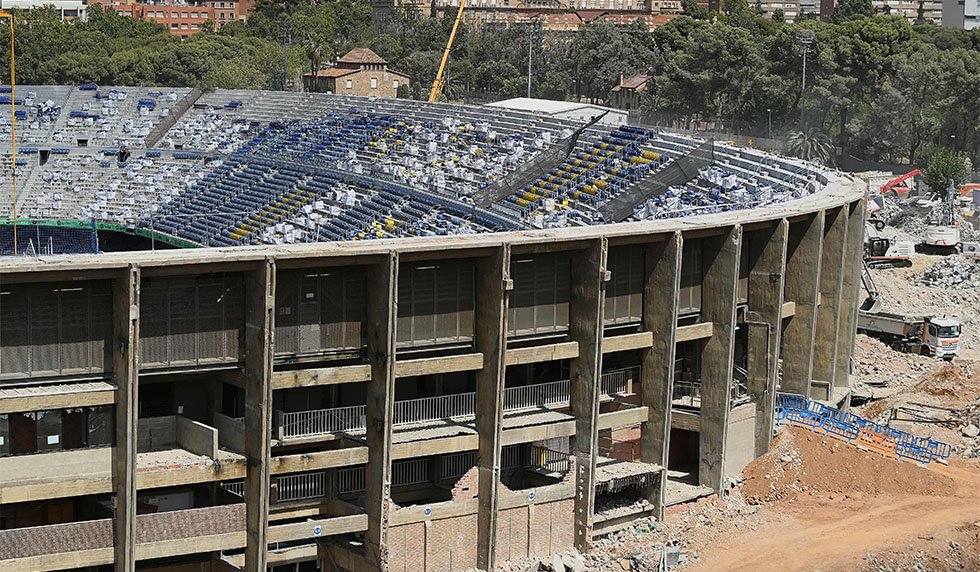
530, 34
806, 38
13, 125
769, 111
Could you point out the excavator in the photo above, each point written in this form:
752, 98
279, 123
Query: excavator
440, 80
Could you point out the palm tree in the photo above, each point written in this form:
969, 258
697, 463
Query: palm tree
811, 144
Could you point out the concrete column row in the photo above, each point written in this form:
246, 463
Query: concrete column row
811, 261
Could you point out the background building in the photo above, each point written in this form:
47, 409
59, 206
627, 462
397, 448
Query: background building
358, 72
69, 9
964, 14
183, 18
559, 15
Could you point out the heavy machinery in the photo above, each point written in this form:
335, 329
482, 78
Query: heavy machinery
440, 80
894, 184
930, 335
942, 233
882, 252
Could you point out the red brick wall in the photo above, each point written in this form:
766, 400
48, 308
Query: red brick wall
450, 544
38, 540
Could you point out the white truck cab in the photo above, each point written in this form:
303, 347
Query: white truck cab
942, 337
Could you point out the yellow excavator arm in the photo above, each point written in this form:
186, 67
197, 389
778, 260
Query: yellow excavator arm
440, 81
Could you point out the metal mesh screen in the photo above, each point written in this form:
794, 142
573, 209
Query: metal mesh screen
679, 171
40, 240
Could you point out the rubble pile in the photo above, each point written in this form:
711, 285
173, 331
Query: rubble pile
970, 429
951, 272
876, 364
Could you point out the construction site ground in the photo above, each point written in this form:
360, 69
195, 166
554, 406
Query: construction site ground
816, 504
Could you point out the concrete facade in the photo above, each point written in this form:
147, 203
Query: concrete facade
434, 457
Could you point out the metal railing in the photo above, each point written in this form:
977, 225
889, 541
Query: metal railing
619, 382
301, 487
235, 487
687, 393
536, 395
455, 406
320, 421
350, 480
550, 460
455, 465
410, 472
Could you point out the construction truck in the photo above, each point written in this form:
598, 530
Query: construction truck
882, 252
942, 233
929, 335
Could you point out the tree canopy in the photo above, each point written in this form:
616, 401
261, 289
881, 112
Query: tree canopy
878, 87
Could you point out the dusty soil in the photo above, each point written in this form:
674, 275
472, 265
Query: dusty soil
803, 461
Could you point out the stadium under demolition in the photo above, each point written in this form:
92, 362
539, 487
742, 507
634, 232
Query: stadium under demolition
431, 337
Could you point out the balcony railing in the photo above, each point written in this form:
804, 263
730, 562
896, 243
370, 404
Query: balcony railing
457, 406
320, 421
550, 460
301, 487
687, 393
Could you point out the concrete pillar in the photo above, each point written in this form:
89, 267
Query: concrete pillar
260, 297
767, 261
492, 291
720, 290
662, 282
125, 374
850, 292
803, 258
382, 304
828, 313
585, 311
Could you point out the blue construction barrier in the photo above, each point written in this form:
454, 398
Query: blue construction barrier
797, 410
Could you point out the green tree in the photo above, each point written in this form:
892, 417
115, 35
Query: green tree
944, 166
810, 144
852, 10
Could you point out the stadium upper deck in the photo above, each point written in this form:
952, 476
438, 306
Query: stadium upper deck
228, 167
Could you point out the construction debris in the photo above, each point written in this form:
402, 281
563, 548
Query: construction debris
951, 272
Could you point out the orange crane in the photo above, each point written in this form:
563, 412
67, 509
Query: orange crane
440, 81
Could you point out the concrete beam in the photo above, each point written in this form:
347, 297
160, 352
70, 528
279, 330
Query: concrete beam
720, 287
585, 310
803, 258
318, 460
260, 298
321, 376
359, 373
58, 399
438, 446
125, 374
662, 282
789, 308
850, 292
548, 352
767, 261
700, 331
831, 292
382, 304
626, 342
493, 285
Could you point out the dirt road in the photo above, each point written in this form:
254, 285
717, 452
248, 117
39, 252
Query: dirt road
820, 534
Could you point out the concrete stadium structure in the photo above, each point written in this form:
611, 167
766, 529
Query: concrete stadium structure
429, 403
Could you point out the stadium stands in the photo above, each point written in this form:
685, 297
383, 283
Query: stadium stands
246, 167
